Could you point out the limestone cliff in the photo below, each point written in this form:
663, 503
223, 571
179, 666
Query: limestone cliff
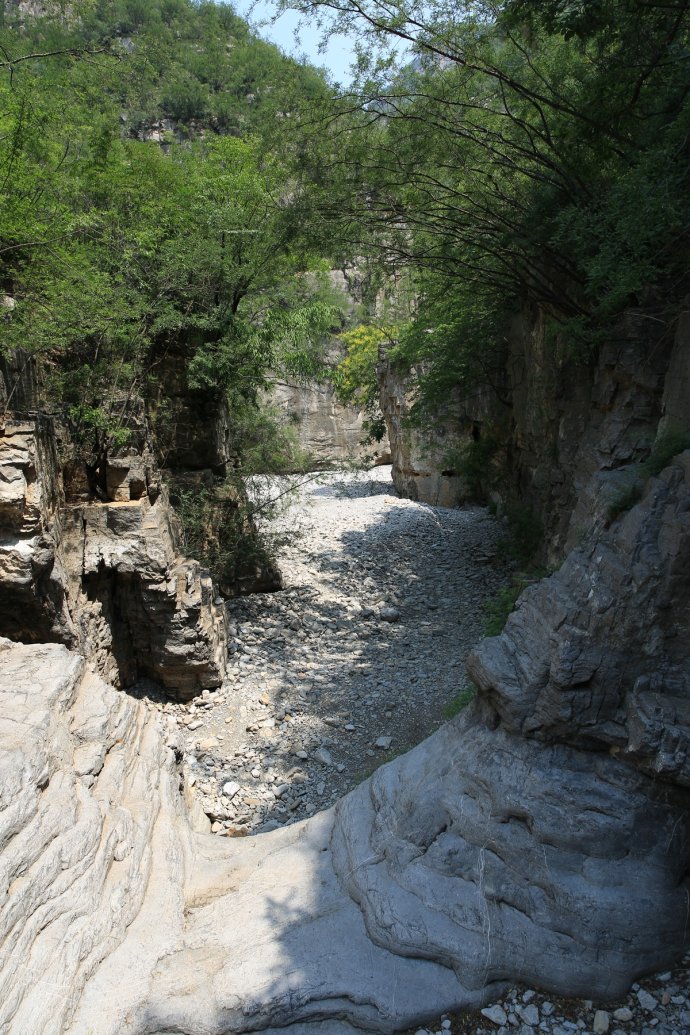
544, 835
326, 432
424, 460
105, 577
569, 431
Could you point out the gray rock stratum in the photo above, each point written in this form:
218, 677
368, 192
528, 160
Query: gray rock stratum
494, 851
105, 577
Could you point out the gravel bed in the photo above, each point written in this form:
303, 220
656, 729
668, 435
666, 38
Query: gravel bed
357, 659
657, 1005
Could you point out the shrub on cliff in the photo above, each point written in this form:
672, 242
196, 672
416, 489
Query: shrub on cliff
518, 154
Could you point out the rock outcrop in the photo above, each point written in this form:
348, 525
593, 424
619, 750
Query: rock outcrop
105, 577
568, 432
597, 656
423, 461
33, 580
87, 791
325, 431
544, 835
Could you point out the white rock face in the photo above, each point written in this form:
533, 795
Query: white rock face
475, 857
86, 784
324, 429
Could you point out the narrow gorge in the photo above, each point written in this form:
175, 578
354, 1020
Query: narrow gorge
289, 744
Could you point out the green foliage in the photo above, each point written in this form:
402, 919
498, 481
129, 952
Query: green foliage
503, 604
475, 462
666, 446
460, 702
262, 444
534, 155
218, 529
118, 250
354, 379
625, 500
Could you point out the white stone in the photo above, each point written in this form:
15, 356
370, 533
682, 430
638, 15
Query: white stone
495, 1013
646, 1001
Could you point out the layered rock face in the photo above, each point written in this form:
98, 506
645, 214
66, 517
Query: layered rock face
570, 432
325, 431
597, 656
579, 429
88, 790
422, 461
33, 601
105, 577
544, 835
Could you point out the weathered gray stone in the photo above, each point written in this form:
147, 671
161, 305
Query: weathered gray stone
541, 848
422, 468
596, 654
106, 577
33, 604
78, 854
496, 1014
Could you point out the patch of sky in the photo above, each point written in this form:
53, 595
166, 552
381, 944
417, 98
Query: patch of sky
301, 38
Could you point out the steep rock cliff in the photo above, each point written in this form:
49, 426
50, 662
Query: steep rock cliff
325, 431
424, 459
544, 835
570, 430
104, 577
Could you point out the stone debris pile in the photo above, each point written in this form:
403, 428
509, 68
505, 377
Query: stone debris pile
358, 659
658, 1005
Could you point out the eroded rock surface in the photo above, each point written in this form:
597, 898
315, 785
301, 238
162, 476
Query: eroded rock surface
104, 577
33, 579
325, 430
85, 783
597, 655
490, 853
422, 461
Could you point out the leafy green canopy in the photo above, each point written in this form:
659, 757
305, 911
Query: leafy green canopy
116, 249
524, 153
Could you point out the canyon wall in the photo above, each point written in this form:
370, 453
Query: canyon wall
326, 432
424, 458
542, 836
569, 431
104, 577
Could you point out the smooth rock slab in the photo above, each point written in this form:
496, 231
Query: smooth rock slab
279, 941
506, 858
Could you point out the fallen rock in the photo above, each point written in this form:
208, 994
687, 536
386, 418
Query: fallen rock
496, 1014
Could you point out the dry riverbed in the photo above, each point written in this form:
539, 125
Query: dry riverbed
357, 659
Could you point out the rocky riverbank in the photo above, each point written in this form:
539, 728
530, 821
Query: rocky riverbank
658, 1005
358, 659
